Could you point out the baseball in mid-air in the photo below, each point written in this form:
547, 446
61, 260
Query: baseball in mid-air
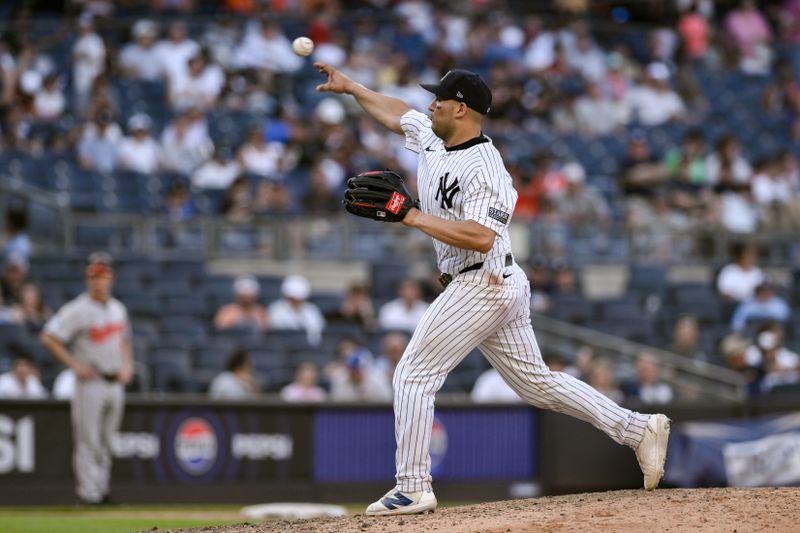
303, 46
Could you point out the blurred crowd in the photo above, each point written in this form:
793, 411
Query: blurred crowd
564, 74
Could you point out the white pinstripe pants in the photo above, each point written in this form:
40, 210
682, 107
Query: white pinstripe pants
482, 309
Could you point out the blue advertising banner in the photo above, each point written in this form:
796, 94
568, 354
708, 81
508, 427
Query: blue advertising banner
466, 444
751, 453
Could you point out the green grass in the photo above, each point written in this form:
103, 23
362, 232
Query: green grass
122, 519
128, 518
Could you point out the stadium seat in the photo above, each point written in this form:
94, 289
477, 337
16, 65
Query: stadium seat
171, 370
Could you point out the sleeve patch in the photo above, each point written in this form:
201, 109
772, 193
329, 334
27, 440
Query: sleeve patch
500, 216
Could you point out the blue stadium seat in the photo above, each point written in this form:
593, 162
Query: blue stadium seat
647, 279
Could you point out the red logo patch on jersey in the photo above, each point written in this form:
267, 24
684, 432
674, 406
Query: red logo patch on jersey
100, 334
395, 203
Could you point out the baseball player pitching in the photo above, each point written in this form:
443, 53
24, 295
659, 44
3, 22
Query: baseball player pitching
91, 335
466, 201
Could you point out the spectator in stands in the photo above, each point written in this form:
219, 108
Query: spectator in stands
765, 305
736, 281
640, 178
686, 166
565, 280
14, 277
726, 166
272, 198
779, 365
266, 47
490, 387
8, 73
686, 339
356, 380
541, 280
17, 243
140, 152
8, 315
774, 193
185, 142
648, 387
357, 307
750, 33
734, 349
219, 172
22, 381
601, 377
393, 346
555, 362
657, 227
245, 311
261, 158
305, 387
695, 33
64, 385
294, 311
238, 381
404, 312
653, 102
173, 53
88, 59
789, 19
596, 113
138, 59
738, 212
31, 309
320, 199
178, 203
582, 205
98, 148
237, 205
199, 87
583, 54
49, 102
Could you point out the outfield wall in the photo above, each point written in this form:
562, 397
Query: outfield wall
192, 450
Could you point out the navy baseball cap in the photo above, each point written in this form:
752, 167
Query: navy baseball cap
463, 86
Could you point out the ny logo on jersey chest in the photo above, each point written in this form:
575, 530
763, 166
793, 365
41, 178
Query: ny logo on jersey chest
447, 190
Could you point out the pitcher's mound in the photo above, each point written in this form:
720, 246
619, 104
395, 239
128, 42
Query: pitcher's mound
674, 510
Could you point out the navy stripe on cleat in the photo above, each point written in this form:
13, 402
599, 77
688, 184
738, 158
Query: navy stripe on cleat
396, 502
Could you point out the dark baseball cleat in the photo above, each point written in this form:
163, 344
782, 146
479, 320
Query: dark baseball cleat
396, 502
652, 451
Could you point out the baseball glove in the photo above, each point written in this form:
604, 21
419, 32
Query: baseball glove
379, 195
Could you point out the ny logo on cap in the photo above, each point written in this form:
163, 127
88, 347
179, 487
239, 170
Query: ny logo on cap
459, 95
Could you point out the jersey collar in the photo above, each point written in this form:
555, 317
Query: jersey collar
468, 144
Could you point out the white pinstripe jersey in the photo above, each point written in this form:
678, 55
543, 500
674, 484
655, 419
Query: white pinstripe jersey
465, 182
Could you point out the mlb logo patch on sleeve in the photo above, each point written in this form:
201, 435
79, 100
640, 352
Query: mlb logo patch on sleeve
500, 216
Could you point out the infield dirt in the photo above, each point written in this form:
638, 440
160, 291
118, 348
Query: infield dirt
729, 510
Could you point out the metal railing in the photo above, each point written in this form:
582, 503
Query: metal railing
342, 237
692, 379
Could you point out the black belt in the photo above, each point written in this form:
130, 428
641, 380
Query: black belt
111, 378
445, 279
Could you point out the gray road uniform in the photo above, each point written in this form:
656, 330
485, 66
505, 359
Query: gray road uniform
94, 333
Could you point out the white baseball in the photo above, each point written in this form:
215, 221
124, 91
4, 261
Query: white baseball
303, 46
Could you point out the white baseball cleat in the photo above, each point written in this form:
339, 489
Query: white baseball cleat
652, 451
396, 502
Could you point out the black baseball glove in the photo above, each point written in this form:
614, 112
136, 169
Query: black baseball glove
379, 195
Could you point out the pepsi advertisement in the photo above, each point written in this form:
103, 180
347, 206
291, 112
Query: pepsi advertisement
212, 444
257, 451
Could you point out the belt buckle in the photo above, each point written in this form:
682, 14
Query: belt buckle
445, 279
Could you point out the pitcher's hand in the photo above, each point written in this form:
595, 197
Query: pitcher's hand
337, 81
